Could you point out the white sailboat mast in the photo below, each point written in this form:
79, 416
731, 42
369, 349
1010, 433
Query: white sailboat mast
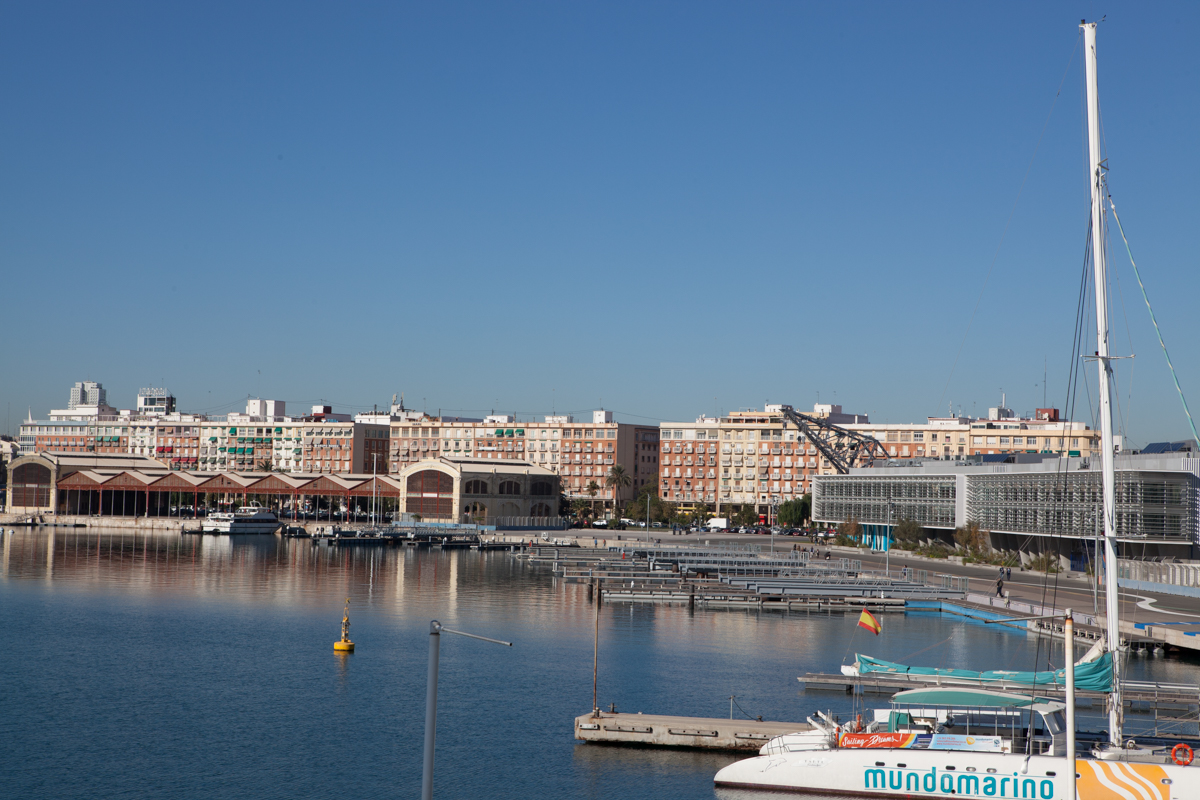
1107, 466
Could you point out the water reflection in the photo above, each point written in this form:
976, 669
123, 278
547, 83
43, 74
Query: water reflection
226, 643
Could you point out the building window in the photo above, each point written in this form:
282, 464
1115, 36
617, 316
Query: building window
476, 487
510, 487
542, 488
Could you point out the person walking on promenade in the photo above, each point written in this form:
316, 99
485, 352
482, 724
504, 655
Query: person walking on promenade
999, 587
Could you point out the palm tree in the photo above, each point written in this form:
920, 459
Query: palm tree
592, 488
617, 479
265, 465
580, 507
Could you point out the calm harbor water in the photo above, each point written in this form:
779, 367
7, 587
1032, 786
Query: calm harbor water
159, 665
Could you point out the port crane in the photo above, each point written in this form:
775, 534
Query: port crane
843, 448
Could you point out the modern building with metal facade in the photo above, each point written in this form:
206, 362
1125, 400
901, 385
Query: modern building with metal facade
1032, 507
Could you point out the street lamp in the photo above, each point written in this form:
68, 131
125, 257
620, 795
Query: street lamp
374, 485
435, 642
647, 517
775, 509
887, 545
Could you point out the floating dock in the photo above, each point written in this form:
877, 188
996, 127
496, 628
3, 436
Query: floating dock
655, 730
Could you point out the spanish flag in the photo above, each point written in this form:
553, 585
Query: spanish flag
866, 620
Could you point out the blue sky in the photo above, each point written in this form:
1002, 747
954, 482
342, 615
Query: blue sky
670, 209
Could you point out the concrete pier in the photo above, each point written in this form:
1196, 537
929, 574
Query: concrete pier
657, 730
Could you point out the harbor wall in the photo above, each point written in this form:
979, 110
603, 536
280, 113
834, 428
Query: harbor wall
124, 523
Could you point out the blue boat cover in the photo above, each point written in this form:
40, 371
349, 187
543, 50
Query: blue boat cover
1094, 676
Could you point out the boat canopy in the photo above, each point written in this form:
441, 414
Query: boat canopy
973, 698
1093, 676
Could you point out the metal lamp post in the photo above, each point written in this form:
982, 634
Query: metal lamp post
775, 511
887, 545
435, 639
647, 518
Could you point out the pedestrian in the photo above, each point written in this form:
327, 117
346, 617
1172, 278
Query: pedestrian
999, 587
1010, 573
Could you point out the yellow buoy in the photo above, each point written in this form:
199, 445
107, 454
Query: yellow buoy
344, 645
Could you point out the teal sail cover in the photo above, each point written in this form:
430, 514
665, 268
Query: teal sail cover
1094, 676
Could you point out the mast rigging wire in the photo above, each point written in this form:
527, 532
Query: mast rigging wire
1187, 412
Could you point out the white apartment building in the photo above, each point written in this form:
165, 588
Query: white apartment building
581, 453
745, 458
322, 442
755, 458
956, 438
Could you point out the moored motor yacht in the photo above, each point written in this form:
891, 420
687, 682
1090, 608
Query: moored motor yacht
247, 519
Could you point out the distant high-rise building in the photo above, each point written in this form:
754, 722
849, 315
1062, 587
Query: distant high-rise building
86, 393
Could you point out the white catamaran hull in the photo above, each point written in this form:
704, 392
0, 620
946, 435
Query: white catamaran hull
948, 773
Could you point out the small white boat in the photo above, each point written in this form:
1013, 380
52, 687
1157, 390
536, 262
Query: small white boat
247, 519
